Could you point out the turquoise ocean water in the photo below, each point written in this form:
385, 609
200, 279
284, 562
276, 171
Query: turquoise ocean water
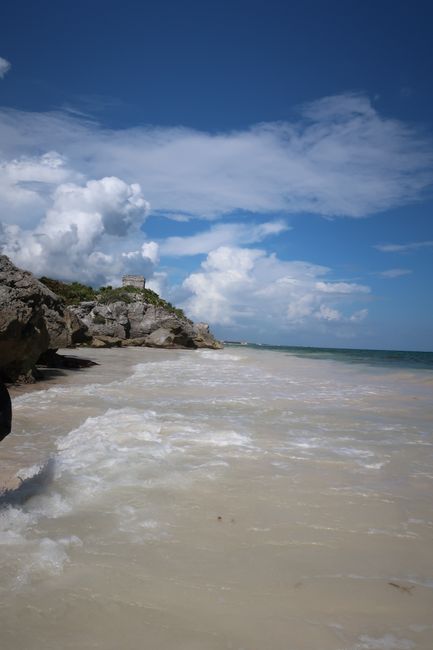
388, 358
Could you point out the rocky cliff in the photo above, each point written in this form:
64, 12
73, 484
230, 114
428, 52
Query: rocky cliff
34, 321
128, 318
31, 316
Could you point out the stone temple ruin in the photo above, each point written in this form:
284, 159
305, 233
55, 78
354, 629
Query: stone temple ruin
137, 281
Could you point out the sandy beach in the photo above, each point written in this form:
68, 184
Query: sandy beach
219, 499
12, 456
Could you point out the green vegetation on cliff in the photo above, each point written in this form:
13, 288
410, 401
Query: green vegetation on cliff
72, 293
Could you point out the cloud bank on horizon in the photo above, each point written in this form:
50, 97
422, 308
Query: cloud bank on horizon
73, 196
236, 286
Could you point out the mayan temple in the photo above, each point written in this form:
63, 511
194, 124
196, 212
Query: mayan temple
137, 281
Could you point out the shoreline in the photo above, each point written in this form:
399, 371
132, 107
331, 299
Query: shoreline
49, 374
105, 368
13, 456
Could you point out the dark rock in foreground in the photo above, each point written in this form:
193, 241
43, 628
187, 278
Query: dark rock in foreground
30, 314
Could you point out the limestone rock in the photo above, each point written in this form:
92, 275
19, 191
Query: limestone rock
160, 338
103, 320
203, 338
78, 331
101, 341
141, 322
97, 343
137, 342
34, 320
26, 308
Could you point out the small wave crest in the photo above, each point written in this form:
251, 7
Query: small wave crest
218, 355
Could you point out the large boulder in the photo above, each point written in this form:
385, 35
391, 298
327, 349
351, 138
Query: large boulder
30, 315
160, 338
77, 330
203, 337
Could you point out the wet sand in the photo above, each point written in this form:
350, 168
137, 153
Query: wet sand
221, 500
12, 456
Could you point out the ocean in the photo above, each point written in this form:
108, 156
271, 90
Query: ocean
252, 498
388, 358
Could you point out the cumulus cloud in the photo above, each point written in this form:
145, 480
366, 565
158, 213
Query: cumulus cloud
339, 158
236, 286
403, 248
149, 252
71, 203
159, 283
394, 273
76, 237
224, 234
26, 184
5, 66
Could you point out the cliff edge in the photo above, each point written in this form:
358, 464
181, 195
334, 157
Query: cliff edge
39, 316
30, 316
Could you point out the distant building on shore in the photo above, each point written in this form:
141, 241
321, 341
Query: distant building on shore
137, 281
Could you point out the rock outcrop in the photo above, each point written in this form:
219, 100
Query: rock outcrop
137, 322
35, 322
203, 337
29, 315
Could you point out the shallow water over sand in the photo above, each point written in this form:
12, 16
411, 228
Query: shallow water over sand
233, 499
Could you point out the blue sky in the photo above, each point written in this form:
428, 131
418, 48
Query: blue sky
267, 165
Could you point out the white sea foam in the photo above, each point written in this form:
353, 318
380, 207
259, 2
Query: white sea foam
386, 642
29, 555
45, 557
218, 355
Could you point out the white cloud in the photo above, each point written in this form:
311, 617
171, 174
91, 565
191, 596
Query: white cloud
78, 237
158, 283
26, 184
403, 248
225, 234
341, 287
340, 158
110, 205
5, 66
181, 218
359, 316
237, 286
150, 250
328, 313
394, 273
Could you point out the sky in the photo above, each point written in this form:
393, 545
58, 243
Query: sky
268, 166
